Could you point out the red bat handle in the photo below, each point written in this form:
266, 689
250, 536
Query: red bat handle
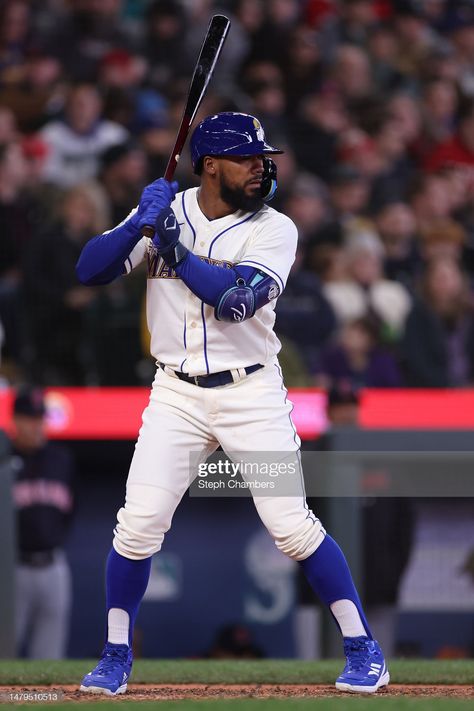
178, 147
148, 230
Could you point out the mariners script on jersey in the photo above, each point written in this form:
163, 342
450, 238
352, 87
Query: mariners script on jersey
184, 332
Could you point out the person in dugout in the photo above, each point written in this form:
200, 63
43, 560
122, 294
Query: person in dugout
44, 500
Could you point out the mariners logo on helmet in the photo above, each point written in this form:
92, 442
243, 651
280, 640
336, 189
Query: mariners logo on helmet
228, 133
259, 130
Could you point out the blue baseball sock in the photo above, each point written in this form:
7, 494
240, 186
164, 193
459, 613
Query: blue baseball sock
328, 574
126, 583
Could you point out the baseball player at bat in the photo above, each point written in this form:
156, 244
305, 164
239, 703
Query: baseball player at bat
218, 261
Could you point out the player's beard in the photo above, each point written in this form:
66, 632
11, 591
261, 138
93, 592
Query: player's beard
238, 199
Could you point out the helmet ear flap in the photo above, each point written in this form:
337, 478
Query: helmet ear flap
269, 179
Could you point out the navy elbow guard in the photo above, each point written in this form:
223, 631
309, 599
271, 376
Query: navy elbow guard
241, 301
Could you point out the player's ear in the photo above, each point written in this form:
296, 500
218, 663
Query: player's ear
209, 165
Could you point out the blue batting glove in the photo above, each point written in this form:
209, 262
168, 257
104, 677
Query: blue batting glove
166, 239
155, 197
167, 231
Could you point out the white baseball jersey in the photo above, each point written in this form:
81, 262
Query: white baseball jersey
185, 334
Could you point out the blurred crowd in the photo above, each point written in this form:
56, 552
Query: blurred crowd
373, 103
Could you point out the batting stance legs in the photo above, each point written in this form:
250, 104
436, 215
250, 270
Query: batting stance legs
181, 419
183, 423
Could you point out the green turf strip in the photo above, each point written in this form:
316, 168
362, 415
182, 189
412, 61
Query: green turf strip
375, 703
265, 671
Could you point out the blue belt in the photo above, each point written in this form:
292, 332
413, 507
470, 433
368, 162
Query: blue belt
213, 380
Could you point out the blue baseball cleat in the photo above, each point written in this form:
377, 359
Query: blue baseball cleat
111, 674
365, 670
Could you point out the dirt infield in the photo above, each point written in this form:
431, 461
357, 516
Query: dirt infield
160, 692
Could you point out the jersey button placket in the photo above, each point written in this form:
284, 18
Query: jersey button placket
194, 336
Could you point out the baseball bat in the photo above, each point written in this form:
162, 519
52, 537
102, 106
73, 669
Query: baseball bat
208, 56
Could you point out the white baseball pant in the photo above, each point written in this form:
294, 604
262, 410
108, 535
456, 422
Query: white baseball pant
251, 415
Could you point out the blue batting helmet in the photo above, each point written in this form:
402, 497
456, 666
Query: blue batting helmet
228, 134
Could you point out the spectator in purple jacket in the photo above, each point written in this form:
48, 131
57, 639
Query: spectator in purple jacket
438, 344
356, 358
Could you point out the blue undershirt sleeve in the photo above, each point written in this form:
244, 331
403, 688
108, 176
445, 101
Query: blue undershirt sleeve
208, 281
102, 258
